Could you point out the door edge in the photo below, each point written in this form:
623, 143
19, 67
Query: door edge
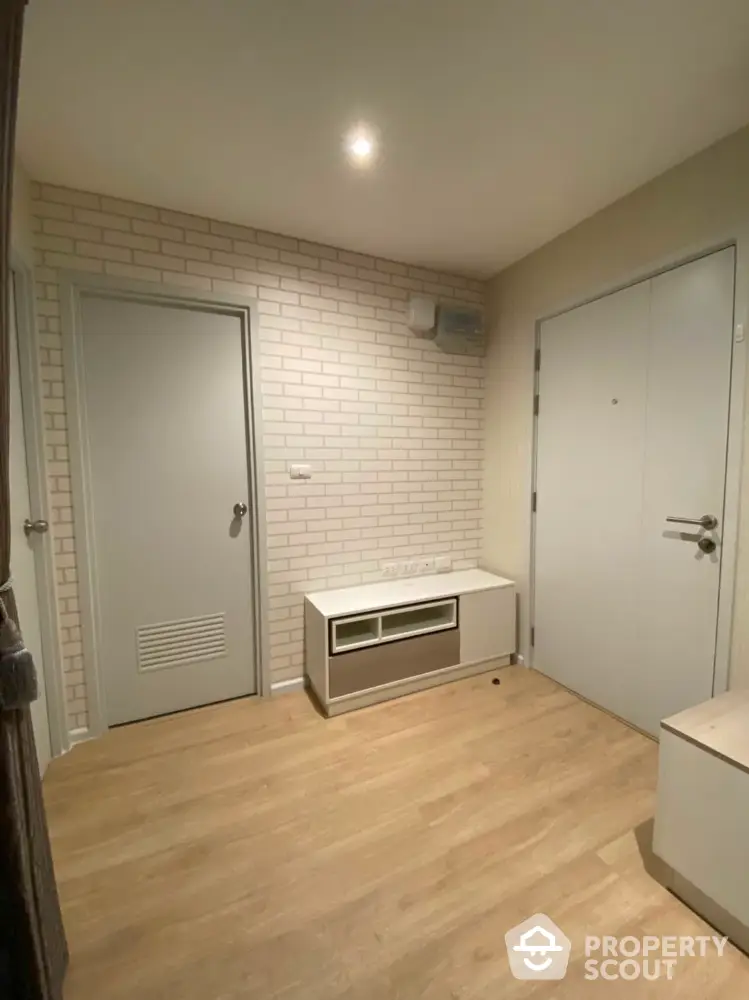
33, 416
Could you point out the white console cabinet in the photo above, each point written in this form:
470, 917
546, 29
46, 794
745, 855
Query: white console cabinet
371, 643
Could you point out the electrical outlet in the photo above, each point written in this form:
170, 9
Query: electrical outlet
300, 472
443, 564
390, 569
425, 564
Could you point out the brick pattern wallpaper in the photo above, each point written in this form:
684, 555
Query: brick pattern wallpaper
391, 425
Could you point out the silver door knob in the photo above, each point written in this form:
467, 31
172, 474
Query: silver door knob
39, 526
240, 509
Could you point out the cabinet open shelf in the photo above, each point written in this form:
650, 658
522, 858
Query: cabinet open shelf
402, 622
352, 633
391, 624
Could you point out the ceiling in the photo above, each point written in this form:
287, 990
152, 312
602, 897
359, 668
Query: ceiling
502, 122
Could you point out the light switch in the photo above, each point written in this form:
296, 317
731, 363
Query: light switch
300, 472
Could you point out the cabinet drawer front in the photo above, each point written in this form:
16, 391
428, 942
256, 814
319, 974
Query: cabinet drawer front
374, 666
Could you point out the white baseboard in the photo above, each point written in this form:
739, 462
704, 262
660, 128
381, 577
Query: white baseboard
78, 736
283, 687
520, 659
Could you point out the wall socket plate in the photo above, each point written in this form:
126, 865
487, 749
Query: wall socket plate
300, 472
425, 564
418, 566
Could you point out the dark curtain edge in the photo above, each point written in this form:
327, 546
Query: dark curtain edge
33, 949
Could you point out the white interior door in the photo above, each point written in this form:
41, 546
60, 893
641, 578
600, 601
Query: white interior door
22, 547
632, 429
167, 435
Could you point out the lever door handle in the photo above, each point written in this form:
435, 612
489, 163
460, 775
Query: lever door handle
708, 521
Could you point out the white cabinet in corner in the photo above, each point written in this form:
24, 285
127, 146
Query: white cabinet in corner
701, 827
372, 643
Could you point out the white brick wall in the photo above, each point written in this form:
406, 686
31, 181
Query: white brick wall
391, 426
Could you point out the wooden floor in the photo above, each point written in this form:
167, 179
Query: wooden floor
255, 850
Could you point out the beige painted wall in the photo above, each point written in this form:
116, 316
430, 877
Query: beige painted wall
21, 236
702, 202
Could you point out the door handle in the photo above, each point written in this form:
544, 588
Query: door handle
708, 521
240, 509
39, 526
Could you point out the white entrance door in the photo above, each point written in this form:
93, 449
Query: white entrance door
632, 430
23, 546
166, 428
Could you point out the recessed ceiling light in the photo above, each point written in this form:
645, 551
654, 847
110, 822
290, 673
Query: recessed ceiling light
360, 145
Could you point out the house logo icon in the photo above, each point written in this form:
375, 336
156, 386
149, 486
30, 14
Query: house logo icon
538, 949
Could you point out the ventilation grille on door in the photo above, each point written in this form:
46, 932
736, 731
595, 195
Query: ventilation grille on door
190, 640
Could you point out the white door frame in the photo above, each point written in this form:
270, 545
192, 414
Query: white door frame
730, 518
44, 565
73, 285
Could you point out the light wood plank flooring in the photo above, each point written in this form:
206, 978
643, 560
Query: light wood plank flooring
255, 850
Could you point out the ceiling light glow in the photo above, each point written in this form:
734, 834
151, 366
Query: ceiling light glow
360, 145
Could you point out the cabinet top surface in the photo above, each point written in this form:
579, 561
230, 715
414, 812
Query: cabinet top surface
374, 596
720, 726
